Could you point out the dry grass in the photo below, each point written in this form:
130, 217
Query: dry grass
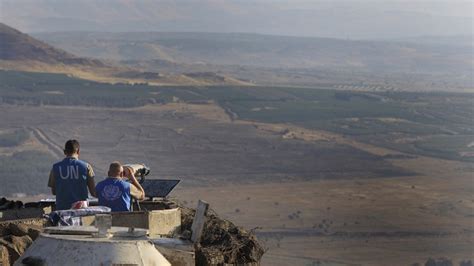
367, 222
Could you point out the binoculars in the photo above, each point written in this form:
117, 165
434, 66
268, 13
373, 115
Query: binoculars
139, 170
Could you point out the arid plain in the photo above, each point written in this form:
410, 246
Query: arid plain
292, 190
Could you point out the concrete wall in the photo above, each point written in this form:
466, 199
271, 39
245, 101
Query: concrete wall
158, 222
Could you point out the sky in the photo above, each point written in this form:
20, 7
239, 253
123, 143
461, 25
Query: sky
345, 19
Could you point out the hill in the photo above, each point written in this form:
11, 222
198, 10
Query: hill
20, 51
17, 46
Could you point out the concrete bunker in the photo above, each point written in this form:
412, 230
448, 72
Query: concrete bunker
179, 235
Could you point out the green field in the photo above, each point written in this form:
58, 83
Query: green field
60, 89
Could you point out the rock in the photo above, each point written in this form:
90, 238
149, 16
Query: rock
5, 240
18, 204
4, 256
223, 242
444, 262
209, 257
15, 246
33, 261
13, 254
7, 205
32, 205
18, 229
186, 234
33, 232
21, 243
430, 262
438, 262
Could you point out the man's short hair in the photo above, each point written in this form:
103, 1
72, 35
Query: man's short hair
115, 167
71, 146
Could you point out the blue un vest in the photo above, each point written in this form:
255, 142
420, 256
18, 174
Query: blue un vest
71, 182
114, 193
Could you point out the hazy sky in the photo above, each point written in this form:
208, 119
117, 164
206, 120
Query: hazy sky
354, 19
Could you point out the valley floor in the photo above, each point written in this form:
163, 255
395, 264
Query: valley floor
365, 222
338, 211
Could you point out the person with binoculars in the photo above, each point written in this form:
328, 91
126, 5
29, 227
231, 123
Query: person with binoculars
116, 193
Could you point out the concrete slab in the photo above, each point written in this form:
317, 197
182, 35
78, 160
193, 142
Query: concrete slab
158, 222
164, 222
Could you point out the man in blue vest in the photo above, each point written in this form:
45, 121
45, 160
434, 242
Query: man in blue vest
70, 178
116, 193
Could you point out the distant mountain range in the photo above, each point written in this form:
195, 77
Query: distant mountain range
335, 19
165, 58
435, 56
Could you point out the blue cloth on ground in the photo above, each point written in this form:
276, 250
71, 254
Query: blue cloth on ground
73, 217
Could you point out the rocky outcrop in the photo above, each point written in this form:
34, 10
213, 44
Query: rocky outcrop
222, 242
16, 237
